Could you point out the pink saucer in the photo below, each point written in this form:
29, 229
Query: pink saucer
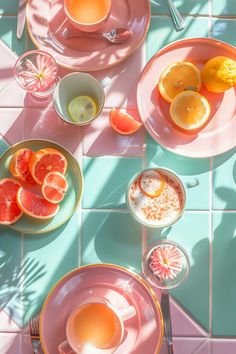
46, 21
218, 135
143, 332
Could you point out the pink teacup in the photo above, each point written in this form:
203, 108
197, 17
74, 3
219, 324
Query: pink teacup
87, 15
101, 321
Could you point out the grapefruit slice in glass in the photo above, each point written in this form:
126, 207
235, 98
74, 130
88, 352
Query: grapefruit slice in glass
9, 210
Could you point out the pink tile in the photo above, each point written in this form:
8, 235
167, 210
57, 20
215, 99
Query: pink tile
100, 139
10, 343
121, 92
223, 346
7, 62
45, 124
7, 324
188, 346
11, 127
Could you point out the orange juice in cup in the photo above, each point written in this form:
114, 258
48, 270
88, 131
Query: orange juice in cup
88, 15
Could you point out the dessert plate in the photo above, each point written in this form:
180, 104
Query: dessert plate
143, 332
46, 21
218, 135
73, 195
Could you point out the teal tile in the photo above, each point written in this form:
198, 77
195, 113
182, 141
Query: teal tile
47, 258
224, 181
191, 171
192, 232
223, 7
192, 7
3, 145
11, 269
9, 7
224, 30
161, 32
106, 180
224, 264
111, 237
8, 35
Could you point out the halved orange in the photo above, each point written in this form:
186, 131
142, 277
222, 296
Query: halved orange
178, 77
34, 205
19, 166
46, 160
151, 183
54, 187
123, 123
9, 210
190, 110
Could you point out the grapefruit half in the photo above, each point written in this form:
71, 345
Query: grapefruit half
9, 210
54, 187
19, 166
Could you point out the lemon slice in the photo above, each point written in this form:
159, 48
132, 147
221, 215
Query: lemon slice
82, 109
190, 110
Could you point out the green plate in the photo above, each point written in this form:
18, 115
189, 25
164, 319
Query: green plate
71, 200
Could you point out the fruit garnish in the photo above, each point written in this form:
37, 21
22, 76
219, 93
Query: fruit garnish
54, 187
34, 205
190, 110
46, 160
166, 262
151, 183
19, 166
123, 123
9, 210
219, 74
82, 109
177, 77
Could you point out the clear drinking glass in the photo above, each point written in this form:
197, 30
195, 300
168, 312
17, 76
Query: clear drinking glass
36, 72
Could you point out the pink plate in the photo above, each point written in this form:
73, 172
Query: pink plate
46, 21
218, 135
143, 332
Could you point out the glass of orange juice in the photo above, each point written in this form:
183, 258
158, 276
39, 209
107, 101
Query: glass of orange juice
88, 15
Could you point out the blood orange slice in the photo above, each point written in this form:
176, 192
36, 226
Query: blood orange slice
123, 123
151, 183
19, 166
35, 206
9, 210
54, 187
45, 161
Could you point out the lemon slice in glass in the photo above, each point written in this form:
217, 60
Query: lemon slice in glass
82, 109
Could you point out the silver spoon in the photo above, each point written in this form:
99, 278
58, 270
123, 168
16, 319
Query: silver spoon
115, 36
175, 15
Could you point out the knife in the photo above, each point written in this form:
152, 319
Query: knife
165, 306
21, 18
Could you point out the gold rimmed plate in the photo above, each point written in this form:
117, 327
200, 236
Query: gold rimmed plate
73, 195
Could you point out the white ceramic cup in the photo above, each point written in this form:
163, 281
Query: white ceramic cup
73, 85
86, 348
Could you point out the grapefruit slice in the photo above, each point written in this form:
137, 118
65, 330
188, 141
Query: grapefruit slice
54, 187
123, 123
9, 210
19, 166
151, 183
34, 205
46, 160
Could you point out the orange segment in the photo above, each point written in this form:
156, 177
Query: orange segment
45, 161
123, 123
35, 206
19, 166
54, 187
9, 210
190, 110
178, 77
151, 183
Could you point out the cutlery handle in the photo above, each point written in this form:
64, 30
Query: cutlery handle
165, 306
176, 17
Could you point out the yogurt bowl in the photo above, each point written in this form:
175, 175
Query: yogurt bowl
156, 197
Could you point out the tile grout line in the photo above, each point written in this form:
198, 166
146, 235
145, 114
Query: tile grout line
80, 236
